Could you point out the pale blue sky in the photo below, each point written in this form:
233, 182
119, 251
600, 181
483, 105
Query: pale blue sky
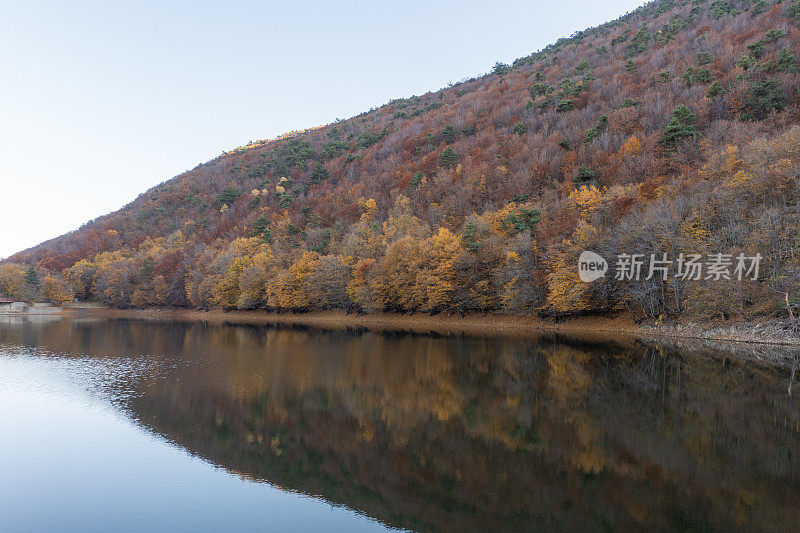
101, 100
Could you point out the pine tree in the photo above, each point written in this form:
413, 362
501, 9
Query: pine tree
680, 126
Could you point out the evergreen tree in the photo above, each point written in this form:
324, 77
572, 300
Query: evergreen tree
449, 133
448, 158
680, 126
319, 173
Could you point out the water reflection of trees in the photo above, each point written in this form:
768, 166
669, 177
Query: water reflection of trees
455, 433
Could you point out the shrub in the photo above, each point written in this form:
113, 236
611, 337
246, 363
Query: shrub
520, 128
468, 129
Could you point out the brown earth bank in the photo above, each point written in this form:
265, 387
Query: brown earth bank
598, 327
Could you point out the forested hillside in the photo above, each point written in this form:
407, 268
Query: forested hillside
673, 129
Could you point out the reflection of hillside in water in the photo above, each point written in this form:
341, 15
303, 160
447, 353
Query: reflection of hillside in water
453, 433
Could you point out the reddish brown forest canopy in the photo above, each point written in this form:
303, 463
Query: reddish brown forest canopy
670, 130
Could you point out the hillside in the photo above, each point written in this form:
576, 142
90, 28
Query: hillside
673, 129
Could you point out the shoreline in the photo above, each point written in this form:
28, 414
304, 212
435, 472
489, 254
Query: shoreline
765, 343
620, 325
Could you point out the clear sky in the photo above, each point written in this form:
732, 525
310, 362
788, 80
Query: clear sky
101, 100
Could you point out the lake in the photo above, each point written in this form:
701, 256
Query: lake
127, 425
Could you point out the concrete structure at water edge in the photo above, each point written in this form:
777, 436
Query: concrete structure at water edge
9, 306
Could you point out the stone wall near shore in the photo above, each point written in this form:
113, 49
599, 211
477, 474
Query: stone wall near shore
85, 305
22, 308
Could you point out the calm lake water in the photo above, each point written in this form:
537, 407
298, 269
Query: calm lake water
128, 425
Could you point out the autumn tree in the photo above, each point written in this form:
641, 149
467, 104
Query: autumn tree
12, 280
55, 290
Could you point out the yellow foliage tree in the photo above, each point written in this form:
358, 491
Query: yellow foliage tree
587, 200
81, 276
12, 280
253, 280
160, 290
359, 289
436, 279
55, 290
694, 234
370, 208
566, 293
293, 289
226, 291
395, 285
632, 147
112, 280
403, 223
